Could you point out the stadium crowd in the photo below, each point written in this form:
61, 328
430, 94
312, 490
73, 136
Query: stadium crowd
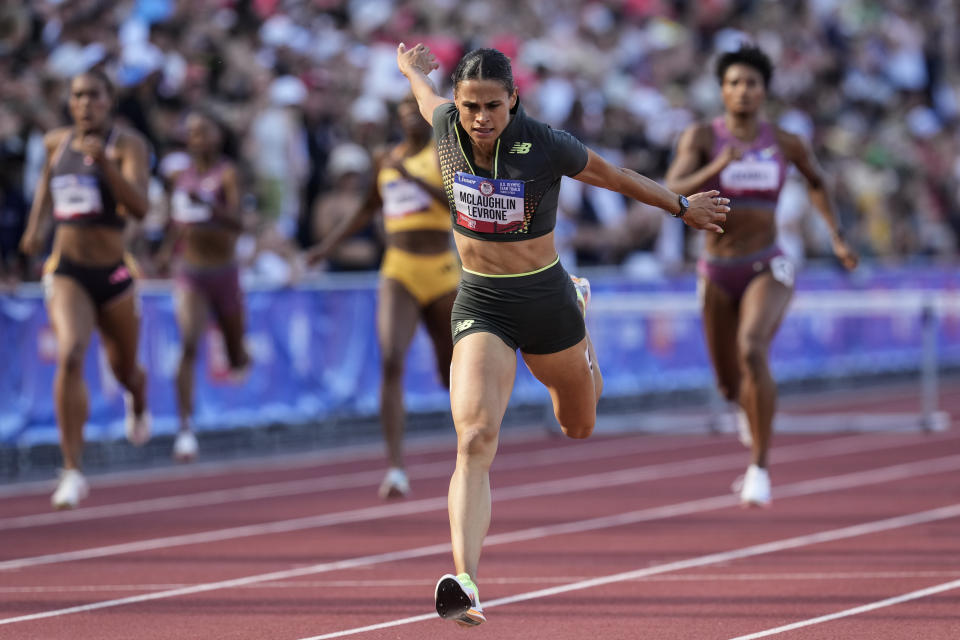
305, 90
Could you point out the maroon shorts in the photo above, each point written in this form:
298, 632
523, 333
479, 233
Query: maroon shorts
733, 275
219, 285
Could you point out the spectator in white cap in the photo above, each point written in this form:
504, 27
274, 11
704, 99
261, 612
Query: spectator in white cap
278, 154
349, 173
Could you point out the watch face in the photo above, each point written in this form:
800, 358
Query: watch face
684, 202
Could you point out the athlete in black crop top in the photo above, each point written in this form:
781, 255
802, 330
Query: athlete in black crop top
95, 177
502, 171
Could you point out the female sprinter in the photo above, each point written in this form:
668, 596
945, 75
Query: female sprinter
205, 208
94, 179
502, 170
419, 273
745, 280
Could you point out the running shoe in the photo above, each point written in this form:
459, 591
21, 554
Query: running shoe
458, 599
395, 484
137, 426
185, 447
754, 487
71, 489
582, 285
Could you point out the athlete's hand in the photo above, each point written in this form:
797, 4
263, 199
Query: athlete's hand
730, 153
92, 148
314, 256
395, 161
845, 253
31, 243
419, 58
707, 210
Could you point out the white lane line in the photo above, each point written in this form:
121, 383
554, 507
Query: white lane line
520, 460
409, 582
846, 481
278, 462
854, 531
873, 606
682, 468
434, 443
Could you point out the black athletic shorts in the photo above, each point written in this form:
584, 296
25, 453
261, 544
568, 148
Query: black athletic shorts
536, 313
103, 284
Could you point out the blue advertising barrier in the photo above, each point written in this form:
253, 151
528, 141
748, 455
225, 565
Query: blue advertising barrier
316, 354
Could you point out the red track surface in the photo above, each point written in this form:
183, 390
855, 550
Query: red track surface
648, 519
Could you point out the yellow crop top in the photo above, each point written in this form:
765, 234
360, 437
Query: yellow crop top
406, 205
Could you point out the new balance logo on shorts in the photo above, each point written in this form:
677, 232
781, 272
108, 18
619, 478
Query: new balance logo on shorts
521, 148
463, 325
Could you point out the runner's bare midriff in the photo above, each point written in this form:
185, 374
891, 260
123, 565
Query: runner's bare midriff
502, 258
208, 247
94, 246
421, 241
746, 231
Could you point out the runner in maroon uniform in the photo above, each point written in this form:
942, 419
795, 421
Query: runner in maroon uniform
94, 179
745, 280
205, 207
501, 171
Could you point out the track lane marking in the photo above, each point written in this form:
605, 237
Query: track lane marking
519, 460
887, 524
408, 582
846, 613
845, 481
681, 468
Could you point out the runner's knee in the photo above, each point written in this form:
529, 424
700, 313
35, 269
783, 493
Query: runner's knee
71, 356
391, 363
477, 442
753, 355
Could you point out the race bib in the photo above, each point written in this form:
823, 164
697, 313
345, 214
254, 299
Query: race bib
187, 210
487, 205
750, 175
75, 195
403, 197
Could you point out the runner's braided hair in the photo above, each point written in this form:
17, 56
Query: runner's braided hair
485, 64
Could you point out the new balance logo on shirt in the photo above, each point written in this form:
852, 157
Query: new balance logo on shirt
521, 147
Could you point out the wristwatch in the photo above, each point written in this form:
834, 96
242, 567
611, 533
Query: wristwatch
684, 205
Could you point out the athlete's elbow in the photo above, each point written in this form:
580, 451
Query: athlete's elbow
137, 209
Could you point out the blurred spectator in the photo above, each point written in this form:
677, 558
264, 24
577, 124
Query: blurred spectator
349, 170
877, 83
279, 156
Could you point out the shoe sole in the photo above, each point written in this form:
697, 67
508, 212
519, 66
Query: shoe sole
452, 602
392, 492
471, 618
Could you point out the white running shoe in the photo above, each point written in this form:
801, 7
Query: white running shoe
755, 487
395, 484
458, 599
582, 286
137, 427
185, 447
70, 491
